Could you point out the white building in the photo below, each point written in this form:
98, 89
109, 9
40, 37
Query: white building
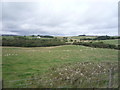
38, 37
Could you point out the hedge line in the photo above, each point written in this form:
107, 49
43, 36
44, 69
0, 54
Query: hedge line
101, 38
97, 45
32, 42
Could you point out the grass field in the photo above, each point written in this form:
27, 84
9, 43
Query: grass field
82, 37
77, 38
115, 42
22, 63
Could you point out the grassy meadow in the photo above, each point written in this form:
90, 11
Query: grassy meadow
114, 42
21, 63
81, 37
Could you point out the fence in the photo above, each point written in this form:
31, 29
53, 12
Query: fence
110, 82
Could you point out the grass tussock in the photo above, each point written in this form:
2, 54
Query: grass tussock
78, 75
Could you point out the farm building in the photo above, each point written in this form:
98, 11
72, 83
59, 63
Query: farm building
38, 37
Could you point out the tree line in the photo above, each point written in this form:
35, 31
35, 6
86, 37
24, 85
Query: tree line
20, 41
101, 38
43, 36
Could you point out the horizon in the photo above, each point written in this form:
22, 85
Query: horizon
55, 35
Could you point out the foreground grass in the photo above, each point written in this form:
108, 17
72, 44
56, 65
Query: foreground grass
22, 63
78, 75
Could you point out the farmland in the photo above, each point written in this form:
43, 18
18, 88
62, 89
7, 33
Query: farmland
59, 44
114, 42
26, 63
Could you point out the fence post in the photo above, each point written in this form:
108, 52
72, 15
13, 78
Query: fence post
1, 85
110, 78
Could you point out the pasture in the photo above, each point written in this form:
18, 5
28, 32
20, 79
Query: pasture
114, 42
81, 37
25, 63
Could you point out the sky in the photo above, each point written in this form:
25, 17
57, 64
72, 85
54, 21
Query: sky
60, 17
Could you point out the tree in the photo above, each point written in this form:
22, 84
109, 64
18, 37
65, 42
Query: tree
75, 40
33, 35
65, 39
71, 40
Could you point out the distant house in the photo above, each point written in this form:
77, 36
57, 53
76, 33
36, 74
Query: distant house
38, 37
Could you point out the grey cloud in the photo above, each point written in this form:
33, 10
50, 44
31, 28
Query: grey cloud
60, 18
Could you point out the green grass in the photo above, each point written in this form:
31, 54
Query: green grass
77, 75
8, 37
25, 62
82, 37
77, 38
115, 42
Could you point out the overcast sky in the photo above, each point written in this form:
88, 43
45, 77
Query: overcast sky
60, 17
